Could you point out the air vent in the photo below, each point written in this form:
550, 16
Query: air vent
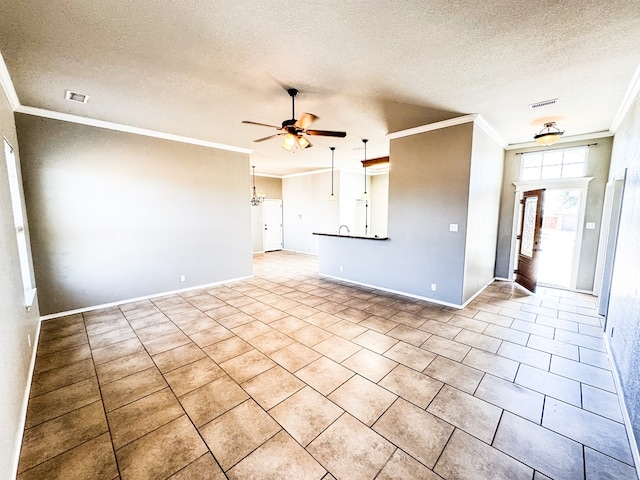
76, 97
544, 103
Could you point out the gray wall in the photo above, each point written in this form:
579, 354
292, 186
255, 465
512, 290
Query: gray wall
307, 209
487, 160
115, 216
429, 188
273, 188
623, 319
15, 322
597, 167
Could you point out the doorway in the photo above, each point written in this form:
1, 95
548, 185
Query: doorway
564, 207
272, 237
559, 232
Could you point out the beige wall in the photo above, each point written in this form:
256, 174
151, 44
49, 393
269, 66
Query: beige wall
116, 216
487, 160
16, 323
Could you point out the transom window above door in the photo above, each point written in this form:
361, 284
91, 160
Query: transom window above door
561, 163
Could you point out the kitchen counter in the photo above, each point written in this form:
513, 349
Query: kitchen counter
364, 237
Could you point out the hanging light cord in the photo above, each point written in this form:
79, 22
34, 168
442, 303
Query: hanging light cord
364, 140
332, 150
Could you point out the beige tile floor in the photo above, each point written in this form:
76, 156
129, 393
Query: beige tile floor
291, 376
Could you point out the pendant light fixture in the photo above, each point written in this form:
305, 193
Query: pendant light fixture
332, 197
365, 195
549, 134
256, 199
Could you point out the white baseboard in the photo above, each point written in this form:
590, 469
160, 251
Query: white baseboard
623, 406
25, 402
137, 299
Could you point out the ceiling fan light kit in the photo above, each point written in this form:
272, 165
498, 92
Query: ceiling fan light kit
549, 134
294, 130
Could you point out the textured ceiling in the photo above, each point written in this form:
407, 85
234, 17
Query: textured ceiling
197, 69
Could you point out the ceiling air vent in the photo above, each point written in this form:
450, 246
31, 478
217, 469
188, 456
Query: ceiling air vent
76, 97
544, 103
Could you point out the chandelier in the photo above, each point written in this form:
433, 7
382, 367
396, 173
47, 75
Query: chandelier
256, 199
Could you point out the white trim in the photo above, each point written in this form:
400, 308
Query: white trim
268, 175
313, 172
298, 252
410, 295
137, 299
489, 130
474, 117
25, 402
633, 444
432, 126
66, 117
581, 183
7, 85
574, 138
554, 183
629, 97
582, 212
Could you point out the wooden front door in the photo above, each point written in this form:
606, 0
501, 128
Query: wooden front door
530, 225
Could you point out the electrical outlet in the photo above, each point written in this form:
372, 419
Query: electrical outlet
340, 267
453, 227
433, 287
183, 278
29, 338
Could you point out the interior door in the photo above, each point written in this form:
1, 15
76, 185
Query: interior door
530, 225
272, 217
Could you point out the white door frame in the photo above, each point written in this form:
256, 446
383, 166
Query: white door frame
582, 184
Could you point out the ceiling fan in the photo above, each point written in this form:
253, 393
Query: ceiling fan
294, 130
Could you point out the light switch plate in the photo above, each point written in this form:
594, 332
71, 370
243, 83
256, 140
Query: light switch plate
453, 227
591, 226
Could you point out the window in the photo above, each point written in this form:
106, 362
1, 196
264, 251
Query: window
18, 218
565, 163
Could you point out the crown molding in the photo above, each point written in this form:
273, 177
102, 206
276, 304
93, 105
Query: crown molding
489, 130
303, 174
66, 117
7, 85
474, 117
627, 101
432, 126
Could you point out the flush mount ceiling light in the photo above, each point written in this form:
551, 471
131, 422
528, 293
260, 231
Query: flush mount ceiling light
549, 134
256, 199
76, 97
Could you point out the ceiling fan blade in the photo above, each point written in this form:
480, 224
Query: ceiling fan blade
326, 133
267, 138
261, 124
305, 120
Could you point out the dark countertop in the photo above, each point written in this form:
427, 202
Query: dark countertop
368, 237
